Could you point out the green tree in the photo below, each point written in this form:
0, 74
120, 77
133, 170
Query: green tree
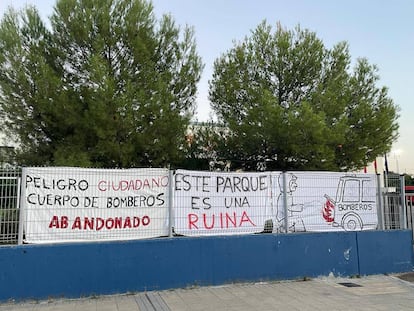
292, 103
204, 142
409, 180
106, 85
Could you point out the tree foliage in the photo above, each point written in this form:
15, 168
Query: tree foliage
106, 85
409, 180
204, 146
292, 103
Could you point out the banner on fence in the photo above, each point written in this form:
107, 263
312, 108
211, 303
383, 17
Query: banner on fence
74, 204
219, 203
324, 201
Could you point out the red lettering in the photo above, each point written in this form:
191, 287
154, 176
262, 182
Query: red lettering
245, 218
88, 224
136, 222
127, 223
114, 188
100, 223
63, 224
138, 184
109, 223
205, 222
192, 220
145, 220
233, 221
221, 220
54, 223
124, 185
118, 222
102, 185
146, 183
133, 184
77, 223
164, 181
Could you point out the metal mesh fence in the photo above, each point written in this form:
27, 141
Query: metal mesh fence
9, 205
321, 201
393, 202
221, 203
63, 204
212, 203
71, 204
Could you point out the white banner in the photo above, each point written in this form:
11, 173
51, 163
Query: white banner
219, 203
324, 201
74, 204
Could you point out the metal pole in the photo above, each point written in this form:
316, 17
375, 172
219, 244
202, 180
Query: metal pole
285, 203
22, 206
270, 225
386, 207
170, 202
380, 208
403, 206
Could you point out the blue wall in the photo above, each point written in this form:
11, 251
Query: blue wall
383, 252
74, 270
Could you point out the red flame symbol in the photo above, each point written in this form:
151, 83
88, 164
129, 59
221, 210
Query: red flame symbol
327, 210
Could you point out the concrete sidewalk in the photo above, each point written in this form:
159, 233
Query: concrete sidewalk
326, 293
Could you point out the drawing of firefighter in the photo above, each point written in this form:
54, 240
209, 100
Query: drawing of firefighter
295, 221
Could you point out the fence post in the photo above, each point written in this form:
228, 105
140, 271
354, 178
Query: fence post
403, 211
380, 208
270, 226
22, 211
170, 202
285, 207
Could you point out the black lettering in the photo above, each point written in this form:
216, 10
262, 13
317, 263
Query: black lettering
236, 182
205, 183
184, 180
194, 202
263, 182
245, 184
83, 185
150, 201
30, 199
36, 182
160, 199
219, 182
60, 184
29, 179
206, 202
71, 184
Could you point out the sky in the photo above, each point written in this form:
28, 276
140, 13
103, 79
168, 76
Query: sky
380, 30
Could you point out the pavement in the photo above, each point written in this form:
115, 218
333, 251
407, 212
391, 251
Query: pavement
378, 292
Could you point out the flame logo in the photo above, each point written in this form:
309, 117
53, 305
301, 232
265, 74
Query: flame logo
327, 210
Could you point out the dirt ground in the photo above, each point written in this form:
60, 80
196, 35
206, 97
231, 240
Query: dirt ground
409, 276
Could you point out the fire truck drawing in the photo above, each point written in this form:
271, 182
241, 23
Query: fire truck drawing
354, 205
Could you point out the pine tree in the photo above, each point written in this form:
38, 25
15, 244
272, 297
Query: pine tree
291, 103
106, 86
